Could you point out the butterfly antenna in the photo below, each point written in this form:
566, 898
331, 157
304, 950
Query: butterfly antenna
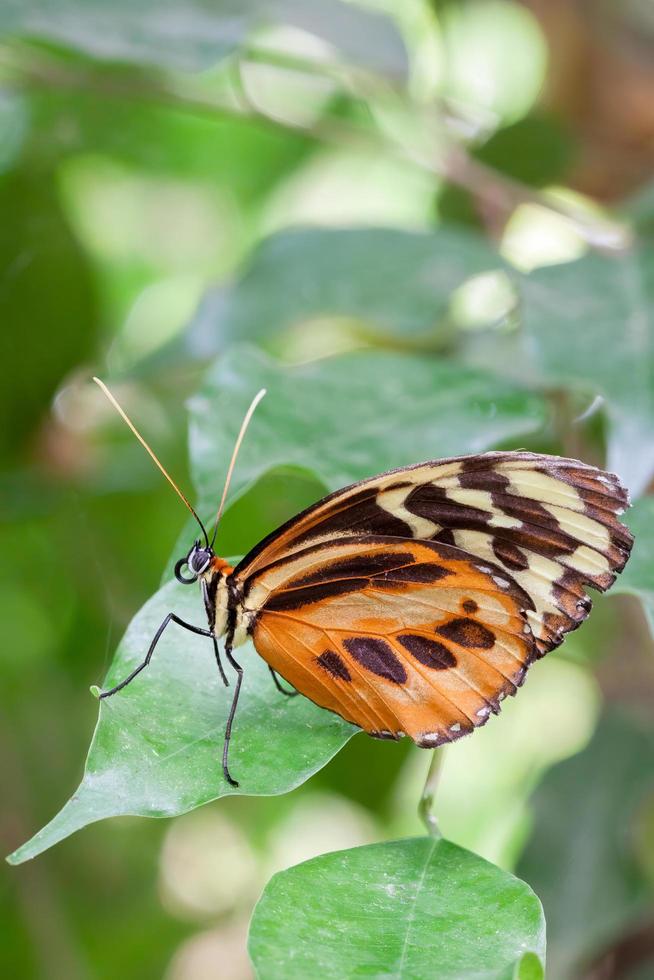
140, 438
237, 445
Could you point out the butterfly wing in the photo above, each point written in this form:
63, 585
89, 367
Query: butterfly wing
550, 523
395, 635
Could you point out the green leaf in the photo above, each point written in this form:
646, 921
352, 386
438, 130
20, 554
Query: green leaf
398, 284
240, 156
590, 323
586, 324
638, 576
536, 151
14, 125
195, 34
48, 302
348, 417
639, 208
581, 856
408, 909
157, 747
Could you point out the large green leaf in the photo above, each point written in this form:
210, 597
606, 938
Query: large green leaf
586, 324
581, 859
348, 417
406, 910
194, 34
157, 746
398, 284
638, 577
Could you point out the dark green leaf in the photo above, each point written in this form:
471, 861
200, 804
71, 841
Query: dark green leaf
157, 747
47, 303
397, 284
348, 417
638, 576
535, 150
195, 34
408, 910
580, 859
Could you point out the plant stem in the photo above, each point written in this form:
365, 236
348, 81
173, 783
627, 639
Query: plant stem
427, 800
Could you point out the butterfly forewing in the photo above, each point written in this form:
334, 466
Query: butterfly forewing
550, 523
394, 634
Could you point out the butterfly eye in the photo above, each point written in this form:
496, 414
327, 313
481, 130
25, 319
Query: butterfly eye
199, 560
178, 571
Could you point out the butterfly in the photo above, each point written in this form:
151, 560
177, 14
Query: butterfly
413, 603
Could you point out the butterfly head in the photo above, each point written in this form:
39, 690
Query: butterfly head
196, 561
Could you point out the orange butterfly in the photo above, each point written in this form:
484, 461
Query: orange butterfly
414, 602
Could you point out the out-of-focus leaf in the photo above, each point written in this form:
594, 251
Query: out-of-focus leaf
640, 209
157, 747
348, 417
581, 857
638, 576
536, 151
195, 34
398, 284
589, 324
47, 303
241, 154
406, 909
14, 115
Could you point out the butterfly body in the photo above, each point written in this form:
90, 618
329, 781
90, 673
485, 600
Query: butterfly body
414, 602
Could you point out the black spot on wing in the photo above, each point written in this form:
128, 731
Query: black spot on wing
470, 606
429, 652
376, 656
334, 665
467, 633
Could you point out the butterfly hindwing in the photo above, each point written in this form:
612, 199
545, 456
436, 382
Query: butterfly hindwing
394, 634
550, 523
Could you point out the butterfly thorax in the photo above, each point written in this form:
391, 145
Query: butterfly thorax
216, 594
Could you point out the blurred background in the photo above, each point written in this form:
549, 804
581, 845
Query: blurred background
144, 158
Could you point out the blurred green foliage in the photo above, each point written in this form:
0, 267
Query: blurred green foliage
150, 229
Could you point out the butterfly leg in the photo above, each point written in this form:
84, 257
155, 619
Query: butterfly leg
171, 617
232, 711
219, 661
278, 685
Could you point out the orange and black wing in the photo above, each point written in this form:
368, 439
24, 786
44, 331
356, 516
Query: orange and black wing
550, 523
396, 635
